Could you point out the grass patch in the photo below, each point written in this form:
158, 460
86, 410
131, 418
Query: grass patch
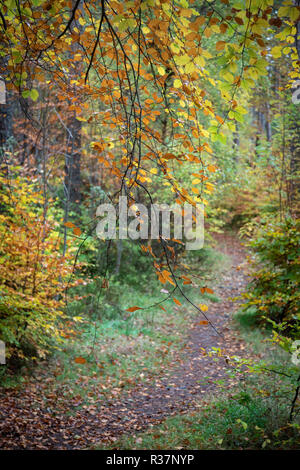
241, 422
247, 320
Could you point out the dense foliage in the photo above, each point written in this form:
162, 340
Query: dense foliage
34, 270
274, 291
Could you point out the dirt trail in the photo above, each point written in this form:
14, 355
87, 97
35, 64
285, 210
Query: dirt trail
178, 391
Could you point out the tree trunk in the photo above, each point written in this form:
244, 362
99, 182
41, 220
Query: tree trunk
73, 178
73, 159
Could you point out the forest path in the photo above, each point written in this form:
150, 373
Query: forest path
180, 389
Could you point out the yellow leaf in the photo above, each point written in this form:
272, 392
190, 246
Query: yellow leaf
276, 52
161, 70
190, 68
203, 307
177, 83
200, 61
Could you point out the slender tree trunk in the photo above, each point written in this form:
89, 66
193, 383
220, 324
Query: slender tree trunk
73, 161
73, 177
268, 123
119, 256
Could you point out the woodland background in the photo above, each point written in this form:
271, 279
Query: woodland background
171, 102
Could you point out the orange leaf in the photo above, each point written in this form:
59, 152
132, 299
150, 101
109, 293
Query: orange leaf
220, 45
77, 231
133, 309
206, 289
69, 224
80, 360
176, 301
211, 168
203, 322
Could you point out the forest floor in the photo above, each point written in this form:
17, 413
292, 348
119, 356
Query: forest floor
27, 423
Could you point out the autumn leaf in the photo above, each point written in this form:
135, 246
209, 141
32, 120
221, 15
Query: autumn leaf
133, 309
69, 224
176, 301
206, 289
77, 231
196, 181
220, 45
203, 307
177, 83
80, 360
211, 168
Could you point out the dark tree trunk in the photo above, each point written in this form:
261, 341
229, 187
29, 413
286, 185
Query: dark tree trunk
73, 178
73, 159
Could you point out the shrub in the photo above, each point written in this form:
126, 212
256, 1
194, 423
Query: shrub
274, 290
33, 270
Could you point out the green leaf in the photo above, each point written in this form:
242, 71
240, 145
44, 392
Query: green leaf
34, 94
26, 93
